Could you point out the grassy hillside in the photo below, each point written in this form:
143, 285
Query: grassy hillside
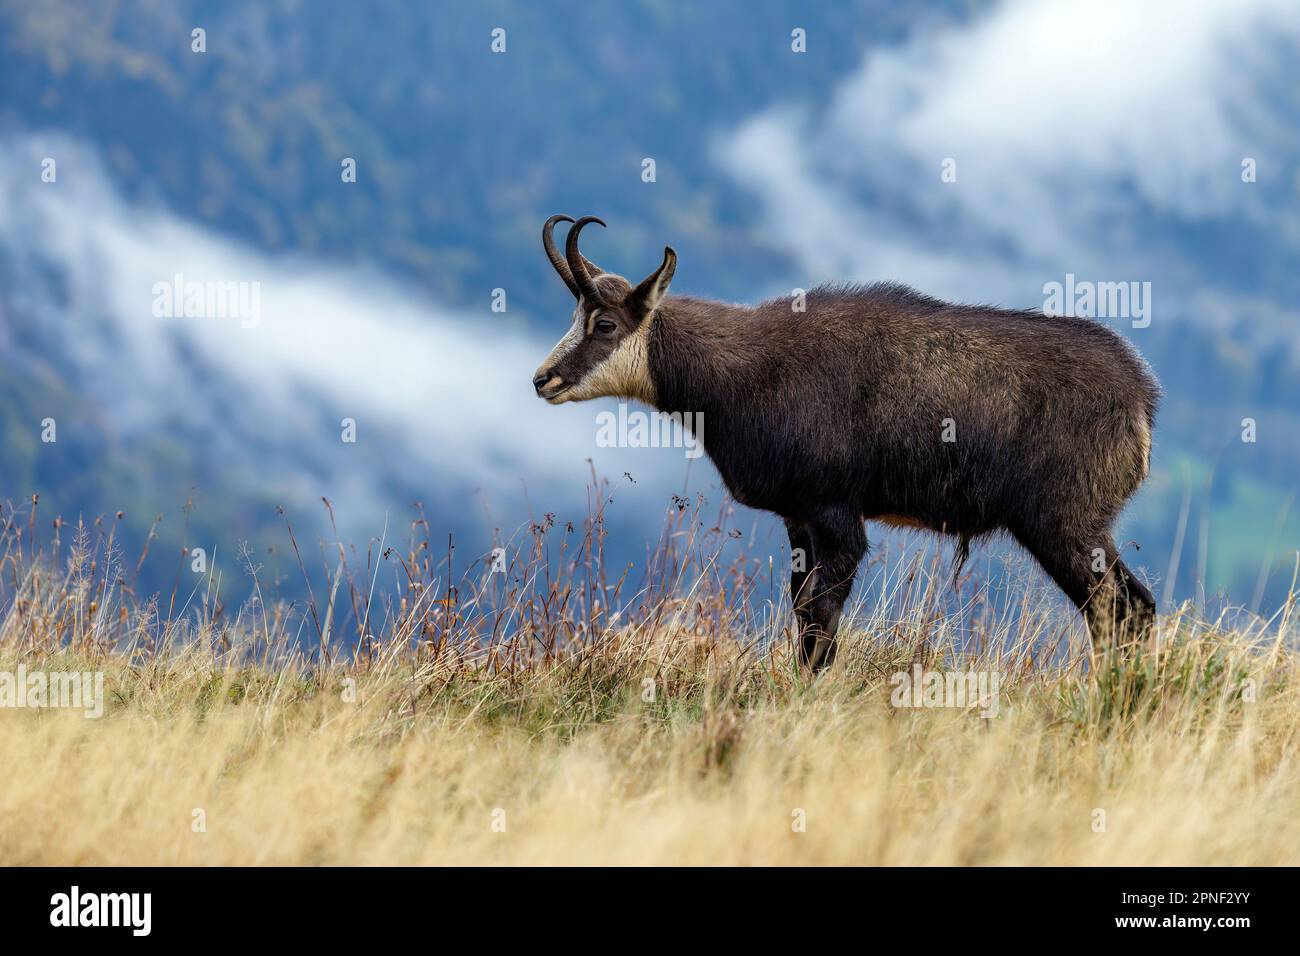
520, 720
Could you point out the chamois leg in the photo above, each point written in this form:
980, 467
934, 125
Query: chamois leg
1121, 611
1117, 607
839, 542
1136, 605
802, 564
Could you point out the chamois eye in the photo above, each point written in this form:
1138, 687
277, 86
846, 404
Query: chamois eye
604, 326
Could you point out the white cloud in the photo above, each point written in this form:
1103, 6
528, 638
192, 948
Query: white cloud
443, 400
1077, 129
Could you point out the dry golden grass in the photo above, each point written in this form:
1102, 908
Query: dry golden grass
441, 744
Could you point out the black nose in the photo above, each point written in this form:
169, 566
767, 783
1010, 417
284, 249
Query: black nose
541, 379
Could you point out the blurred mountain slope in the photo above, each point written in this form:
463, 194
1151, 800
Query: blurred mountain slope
460, 154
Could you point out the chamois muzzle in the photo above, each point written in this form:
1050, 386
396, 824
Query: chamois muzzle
547, 384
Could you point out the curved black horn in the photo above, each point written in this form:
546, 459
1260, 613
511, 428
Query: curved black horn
552, 253
577, 264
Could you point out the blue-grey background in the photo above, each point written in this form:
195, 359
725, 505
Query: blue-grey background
1103, 139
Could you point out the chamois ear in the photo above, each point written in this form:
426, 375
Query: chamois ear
645, 298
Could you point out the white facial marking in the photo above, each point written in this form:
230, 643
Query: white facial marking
624, 373
572, 339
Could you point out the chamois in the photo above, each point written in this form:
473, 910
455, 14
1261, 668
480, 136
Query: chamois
880, 403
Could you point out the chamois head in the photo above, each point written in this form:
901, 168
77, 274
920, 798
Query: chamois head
604, 351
